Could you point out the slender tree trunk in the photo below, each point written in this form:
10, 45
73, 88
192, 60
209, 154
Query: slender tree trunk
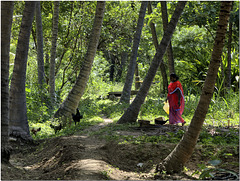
124, 56
47, 68
112, 68
18, 108
132, 112
6, 24
71, 102
169, 49
228, 74
126, 93
182, 152
137, 78
40, 56
53, 52
155, 42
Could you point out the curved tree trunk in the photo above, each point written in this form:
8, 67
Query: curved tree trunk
182, 152
126, 93
18, 108
132, 112
169, 49
71, 102
40, 56
6, 24
53, 52
155, 42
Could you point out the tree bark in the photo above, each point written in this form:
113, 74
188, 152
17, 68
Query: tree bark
229, 60
18, 108
126, 93
169, 49
6, 24
71, 102
53, 52
124, 56
137, 78
155, 42
182, 152
112, 67
132, 112
40, 56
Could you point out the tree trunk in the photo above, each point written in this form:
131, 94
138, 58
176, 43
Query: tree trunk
40, 56
53, 52
137, 78
182, 152
46, 68
18, 108
132, 112
124, 56
228, 74
112, 67
6, 24
155, 42
71, 102
126, 93
169, 49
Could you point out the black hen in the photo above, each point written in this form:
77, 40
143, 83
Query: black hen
34, 131
77, 117
56, 128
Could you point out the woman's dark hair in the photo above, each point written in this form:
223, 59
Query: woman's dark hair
174, 76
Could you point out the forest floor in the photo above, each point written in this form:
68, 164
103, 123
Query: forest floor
87, 157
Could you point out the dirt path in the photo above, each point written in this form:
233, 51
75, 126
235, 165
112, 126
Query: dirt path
81, 157
84, 156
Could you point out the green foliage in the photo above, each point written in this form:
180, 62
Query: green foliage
208, 172
230, 137
223, 109
192, 51
202, 14
46, 130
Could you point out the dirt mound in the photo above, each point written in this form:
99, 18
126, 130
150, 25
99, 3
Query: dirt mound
137, 158
85, 158
68, 158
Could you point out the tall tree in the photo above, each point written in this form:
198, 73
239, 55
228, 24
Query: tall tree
124, 56
132, 112
182, 152
155, 42
126, 93
53, 51
71, 102
169, 49
40, 56
228, 73
6, 24
18, 108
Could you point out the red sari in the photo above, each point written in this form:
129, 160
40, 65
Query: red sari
175, 112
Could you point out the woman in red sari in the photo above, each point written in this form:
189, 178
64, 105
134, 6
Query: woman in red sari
176, 100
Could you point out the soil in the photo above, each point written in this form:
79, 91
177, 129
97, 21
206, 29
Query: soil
86, 157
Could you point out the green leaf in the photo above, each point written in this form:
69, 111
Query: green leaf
27, 90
